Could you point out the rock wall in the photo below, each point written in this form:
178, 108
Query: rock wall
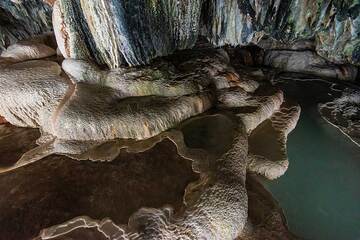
334, 25
134, 32
22, 19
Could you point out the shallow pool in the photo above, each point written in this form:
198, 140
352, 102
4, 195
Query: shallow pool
320, 192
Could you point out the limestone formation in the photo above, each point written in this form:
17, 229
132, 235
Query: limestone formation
268, 120
87, 113
156, 176
267, 143
308, 62
90, 106
115, 30
136, 80
344, 113
212, 211
23, 51
333, 24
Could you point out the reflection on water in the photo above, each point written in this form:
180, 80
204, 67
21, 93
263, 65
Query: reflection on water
320, 192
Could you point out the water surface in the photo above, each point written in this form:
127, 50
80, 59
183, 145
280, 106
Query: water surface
320, 192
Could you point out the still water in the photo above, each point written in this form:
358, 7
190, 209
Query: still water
320, 192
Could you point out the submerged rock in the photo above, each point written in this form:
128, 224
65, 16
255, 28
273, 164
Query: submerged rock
87, 113
266, 216
57, 188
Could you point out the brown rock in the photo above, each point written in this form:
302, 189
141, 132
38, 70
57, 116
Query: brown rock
57, 189
2, 120
50, 2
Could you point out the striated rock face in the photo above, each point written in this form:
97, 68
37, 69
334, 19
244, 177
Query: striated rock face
22, 19
134, 31
333, 24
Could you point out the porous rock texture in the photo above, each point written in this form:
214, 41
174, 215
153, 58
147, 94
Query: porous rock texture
86, 107
216, 206
91, 114
56, 189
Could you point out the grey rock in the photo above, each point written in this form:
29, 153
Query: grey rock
23, 19
308, 62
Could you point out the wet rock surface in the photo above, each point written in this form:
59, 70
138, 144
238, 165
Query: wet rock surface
58, 189
120, 120
265, 214
344, 113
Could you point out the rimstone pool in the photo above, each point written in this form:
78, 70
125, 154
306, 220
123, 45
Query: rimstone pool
320, 192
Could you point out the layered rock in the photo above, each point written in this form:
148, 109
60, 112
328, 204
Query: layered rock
111, 31
22, 19
114, 33
334, 24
